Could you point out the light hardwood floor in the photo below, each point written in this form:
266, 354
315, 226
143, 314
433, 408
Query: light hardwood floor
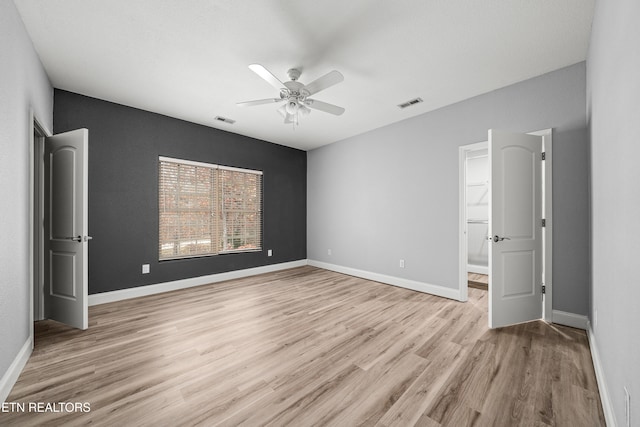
478, 281
307, 347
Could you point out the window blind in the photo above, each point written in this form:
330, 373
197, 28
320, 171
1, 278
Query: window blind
206, 209
240, 209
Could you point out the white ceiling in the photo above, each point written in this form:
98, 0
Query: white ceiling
188, 59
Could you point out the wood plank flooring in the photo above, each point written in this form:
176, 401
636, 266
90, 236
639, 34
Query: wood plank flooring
306, 347
478, 281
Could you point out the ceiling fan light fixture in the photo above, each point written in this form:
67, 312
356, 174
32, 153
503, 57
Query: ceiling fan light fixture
291, 119
304, 109
292, 106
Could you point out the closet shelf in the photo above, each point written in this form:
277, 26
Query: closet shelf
477, 221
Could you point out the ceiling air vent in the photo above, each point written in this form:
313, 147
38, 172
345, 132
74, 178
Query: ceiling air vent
224, 119
410, 103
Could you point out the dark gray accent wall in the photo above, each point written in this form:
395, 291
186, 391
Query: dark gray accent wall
124, 145
392, 193
613, 93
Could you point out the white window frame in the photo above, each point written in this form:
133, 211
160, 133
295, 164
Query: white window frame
217, 211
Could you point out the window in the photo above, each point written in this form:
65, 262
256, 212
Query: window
207, 209
240, 208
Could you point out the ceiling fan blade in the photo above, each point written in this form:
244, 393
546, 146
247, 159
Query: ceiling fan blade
323, 106
259, 102
328, 80
266, 74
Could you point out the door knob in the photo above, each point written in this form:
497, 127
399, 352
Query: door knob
79, 238
497, 238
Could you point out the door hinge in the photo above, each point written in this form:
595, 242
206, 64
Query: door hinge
544, 289
544, 156
544, 222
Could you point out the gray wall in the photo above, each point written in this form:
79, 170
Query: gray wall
124, 145
613, 92
392, 193
24, 86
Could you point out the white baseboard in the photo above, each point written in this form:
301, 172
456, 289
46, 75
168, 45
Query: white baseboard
428, 288
478, 269
141, 291
11, 376
570, 319
605, 397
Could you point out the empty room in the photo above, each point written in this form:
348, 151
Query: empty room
411, 213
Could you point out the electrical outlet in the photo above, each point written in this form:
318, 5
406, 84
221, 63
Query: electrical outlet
145, 268
328, 251
401, 263
627, 406
270, 252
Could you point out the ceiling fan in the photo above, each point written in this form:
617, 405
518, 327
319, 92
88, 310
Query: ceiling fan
296, 95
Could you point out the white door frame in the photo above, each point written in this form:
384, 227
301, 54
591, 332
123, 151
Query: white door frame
463, 151
547, 235
36, 224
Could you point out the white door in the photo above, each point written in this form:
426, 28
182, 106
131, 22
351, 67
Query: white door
65, 228
515, 249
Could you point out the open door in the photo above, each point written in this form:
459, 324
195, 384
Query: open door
65, 228
515, 249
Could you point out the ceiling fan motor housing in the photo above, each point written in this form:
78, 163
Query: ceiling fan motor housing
294, 74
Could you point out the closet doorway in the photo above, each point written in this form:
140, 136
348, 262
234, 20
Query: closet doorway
474, 203
518, 200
